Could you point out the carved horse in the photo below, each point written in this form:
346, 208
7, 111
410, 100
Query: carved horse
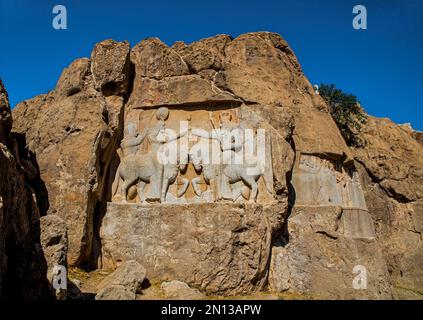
142, 169
222, 174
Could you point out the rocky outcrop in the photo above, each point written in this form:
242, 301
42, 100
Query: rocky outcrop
218, 248
76, 149
327, 208
54, 242
23, 267
387, 146
391, 173
319, 258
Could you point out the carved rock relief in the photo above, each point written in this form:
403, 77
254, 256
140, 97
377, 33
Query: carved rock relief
319, 181
192, 155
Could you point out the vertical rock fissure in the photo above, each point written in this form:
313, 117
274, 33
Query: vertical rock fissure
284, 236
107, 170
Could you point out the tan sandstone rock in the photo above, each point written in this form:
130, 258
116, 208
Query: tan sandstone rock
130, 274
54, 242
75, 149
178, 290
391, 172
346, 207
115, 292
319, 259
214, 247
387, 146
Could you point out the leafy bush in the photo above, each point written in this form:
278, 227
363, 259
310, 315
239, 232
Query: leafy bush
346, 111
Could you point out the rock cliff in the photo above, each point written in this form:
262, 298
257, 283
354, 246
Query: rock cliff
23, 266
322, 208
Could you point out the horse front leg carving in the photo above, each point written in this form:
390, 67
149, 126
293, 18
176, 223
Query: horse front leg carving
251, 182
184, 188
155, 190
140, 190
125, 187
225, 188
165, 187
195, 182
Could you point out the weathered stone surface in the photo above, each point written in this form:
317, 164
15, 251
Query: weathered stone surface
318, 260
343, 212
115, 292
72, 78
255, 68
213, 247
391, 173
75, 150
261, 69
178, 290
111, 67
204, 54
154, 59
398, 232
387, 146
418, 135
181, 90
320, 181
328, 143
22, 265
5, 114
54, 241
66, 152
130, 274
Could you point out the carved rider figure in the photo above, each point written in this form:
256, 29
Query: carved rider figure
157, 136
129, 144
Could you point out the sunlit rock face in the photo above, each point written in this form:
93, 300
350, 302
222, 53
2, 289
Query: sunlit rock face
215, 163
219, 248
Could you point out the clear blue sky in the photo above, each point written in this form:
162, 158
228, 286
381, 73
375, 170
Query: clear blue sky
382, 65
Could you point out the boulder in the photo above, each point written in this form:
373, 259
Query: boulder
115, 292
54, 242
178, 290
111, 67
205, 54
130, 274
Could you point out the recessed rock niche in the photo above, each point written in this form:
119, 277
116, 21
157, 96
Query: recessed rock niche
320, 182
193, 198
193, 155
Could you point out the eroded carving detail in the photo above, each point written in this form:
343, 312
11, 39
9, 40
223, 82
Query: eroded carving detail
223, 168
147, 168
320, 181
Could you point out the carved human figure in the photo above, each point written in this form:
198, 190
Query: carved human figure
158, 136
130, 143
174, 160
148, 168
